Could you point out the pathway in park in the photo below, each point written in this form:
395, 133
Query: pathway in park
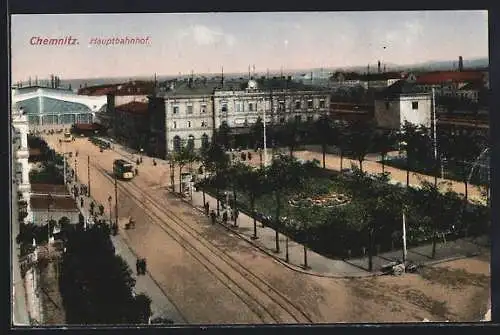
318, 264
161, 306
324, 266
332, 162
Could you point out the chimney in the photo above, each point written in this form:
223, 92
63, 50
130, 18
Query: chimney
460, 64
222, 77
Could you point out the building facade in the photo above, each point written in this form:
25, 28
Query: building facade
131, 126
242, 108
191, 115
189, 119
56, 108
403, 102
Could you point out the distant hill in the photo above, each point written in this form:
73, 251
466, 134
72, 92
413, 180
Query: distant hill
425, 66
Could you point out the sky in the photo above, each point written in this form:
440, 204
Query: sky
206, 42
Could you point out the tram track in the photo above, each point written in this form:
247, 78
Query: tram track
276, 308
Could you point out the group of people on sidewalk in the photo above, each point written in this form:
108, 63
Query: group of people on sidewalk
227, 213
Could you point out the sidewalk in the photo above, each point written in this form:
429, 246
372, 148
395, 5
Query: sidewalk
161, 306
326, 267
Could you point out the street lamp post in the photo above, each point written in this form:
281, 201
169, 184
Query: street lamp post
264, 134
109, 206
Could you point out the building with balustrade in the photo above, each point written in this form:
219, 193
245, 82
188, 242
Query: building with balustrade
48, 108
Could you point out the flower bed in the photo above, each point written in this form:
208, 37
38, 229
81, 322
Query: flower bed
330, 200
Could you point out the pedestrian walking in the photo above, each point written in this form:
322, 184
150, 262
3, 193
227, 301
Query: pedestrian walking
236, 213
81, 202
207, 208
138, 266
213, 216
224, 217
144, 266
136, 171
249, 154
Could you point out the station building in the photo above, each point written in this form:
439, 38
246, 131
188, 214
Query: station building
55, 108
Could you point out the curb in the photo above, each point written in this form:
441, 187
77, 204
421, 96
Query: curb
450, 259
283, 262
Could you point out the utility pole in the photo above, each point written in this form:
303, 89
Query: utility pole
64, 168
435, 136
116, 201
264, 133
88, 172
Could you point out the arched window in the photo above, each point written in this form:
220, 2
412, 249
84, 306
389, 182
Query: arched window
177, 143
204, 141
190, 142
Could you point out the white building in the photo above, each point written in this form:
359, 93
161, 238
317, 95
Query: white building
188, 117
20, 155
242, 108
185, 114
403, 102
56, 108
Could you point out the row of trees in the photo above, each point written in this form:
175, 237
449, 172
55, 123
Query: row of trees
356, 139
96, 285
373, 217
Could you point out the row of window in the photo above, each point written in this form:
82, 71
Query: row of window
189, 109
414, 105
252, 106
204, 124
281, 106
189, 124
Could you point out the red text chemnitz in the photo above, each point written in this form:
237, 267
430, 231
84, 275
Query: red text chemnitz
68, 40
105, 41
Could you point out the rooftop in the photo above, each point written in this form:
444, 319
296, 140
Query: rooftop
40, 189
42, 203
180, 88
86, 126
441, 77
134, 107
135, 87
401, 87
